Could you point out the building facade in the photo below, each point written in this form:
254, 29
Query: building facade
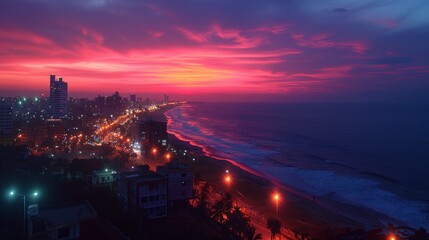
153, 136
144, 191
179, 177
103, 177
57, 98
6, 133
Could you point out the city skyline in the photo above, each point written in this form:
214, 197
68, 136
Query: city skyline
218, 50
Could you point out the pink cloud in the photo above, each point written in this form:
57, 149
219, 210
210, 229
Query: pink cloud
92, 34
196, 37
326, 73
321, 41
156, 34
239, 39
23, 36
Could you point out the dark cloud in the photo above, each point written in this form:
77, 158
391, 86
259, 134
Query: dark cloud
340, 10
391, 60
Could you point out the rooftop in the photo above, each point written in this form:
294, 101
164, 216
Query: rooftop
57, 216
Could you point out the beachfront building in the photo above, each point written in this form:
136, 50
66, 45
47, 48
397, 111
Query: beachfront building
179, 177
144, 191
153, 136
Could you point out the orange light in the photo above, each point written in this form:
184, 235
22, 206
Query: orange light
228, 179
20, 135
154, 150
392, 238
128, 140
276, 197
168, 156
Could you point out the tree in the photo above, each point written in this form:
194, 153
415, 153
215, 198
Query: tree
237, 221
202, 197
274, 225
250, 233
220, 208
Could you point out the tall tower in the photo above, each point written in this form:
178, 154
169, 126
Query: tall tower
57, 98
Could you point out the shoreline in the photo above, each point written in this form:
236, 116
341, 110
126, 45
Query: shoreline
299, 211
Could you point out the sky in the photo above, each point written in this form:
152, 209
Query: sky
219, 50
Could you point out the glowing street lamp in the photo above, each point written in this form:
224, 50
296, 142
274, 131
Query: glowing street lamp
154, 151
228, 180
24, 197
168, 156
276, 198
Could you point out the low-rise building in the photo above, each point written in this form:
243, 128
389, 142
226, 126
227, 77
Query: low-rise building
58, 222
179, 177
103, 177
144, 191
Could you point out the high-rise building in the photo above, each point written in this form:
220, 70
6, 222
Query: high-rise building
57, 98
133, 100
154, 137
6, 137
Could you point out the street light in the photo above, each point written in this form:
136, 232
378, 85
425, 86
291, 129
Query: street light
154, 151
24, 197
276, 198
228, 180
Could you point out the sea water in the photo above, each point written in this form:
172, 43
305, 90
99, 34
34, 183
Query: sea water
371, 155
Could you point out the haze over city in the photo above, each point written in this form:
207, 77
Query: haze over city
336, 50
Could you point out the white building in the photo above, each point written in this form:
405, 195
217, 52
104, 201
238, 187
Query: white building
103, 177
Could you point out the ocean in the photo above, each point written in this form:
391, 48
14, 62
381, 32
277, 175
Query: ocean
370, 155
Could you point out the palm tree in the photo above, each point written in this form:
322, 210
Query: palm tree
250, 233
220, 208
274, 225
237, 221
202, 197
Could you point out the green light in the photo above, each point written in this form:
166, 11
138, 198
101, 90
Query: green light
35, 194
106, 170
12, 193
25, 99
19, 102
36, 99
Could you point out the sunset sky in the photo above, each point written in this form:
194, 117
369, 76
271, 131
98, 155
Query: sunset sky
229, 50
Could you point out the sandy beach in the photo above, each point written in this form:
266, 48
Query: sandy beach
298, 211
